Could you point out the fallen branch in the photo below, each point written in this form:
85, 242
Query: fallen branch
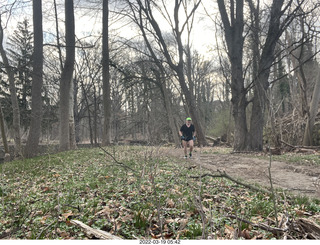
301, 146
273, 230
309, 227
287, 144
116, 161
94, 233
295, 229
225, 175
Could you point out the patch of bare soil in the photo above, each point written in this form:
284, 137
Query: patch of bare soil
297, 178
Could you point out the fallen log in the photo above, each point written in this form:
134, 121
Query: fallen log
210, 138
302, 148
94, 233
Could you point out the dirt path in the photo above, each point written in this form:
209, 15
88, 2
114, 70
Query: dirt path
294, 177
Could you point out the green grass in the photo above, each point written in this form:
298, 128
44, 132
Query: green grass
299, 158
40, 196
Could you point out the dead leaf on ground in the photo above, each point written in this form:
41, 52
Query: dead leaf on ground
229, 231
245, 234
170, 203
183, 223
43, 220
67, 215
45, 188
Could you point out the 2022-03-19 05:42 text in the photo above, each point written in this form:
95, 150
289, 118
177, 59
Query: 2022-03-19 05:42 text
173, 242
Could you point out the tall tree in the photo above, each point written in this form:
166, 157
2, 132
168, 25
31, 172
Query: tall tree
145, 10
106, 138
13, 94
20, 55
251, 138
233, 28
66, 76
37, 81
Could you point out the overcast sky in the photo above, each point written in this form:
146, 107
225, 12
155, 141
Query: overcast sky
88, 23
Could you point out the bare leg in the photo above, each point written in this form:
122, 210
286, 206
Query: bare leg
184, 144
191, 146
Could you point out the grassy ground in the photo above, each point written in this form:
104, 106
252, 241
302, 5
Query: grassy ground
137, 192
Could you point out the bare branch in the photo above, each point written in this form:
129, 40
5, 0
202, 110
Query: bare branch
116, 161
225, 175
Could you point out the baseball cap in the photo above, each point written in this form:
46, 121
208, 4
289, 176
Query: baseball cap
189, 119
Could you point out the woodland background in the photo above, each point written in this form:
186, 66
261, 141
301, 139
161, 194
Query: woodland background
131, 70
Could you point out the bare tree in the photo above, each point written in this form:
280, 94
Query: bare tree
13, 94
37, 81
145, 12
252, 138
66, 76
106, 138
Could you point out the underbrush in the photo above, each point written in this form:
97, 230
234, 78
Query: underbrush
135, 193
299, 158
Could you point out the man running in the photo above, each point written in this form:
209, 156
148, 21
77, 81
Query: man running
188, 134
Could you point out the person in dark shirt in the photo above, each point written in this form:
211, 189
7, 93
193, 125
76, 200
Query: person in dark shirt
187, 133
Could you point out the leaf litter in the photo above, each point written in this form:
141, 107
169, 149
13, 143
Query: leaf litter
151, 198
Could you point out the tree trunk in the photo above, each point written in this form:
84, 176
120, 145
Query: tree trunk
234, 40
261, 83
3, 133
168, 107
252, 140
95, 116
314, 105
72, 131
37, 81
106, 138
66, 76
88, 109
13, 94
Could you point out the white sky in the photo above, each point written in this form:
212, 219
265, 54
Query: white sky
90, 24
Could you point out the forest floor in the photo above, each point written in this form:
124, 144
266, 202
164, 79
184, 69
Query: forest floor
151, 192
293, 172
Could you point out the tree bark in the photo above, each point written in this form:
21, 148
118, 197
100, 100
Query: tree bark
88, 109
233, 35
261, 83
66, 76
3, 133
314, 105
13, 94
106, 138
72, 131
37, 82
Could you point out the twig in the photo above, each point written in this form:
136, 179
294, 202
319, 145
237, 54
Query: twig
292, 146
272, 191
116, 161
198, 204
46, 228
225, 175
273, 230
